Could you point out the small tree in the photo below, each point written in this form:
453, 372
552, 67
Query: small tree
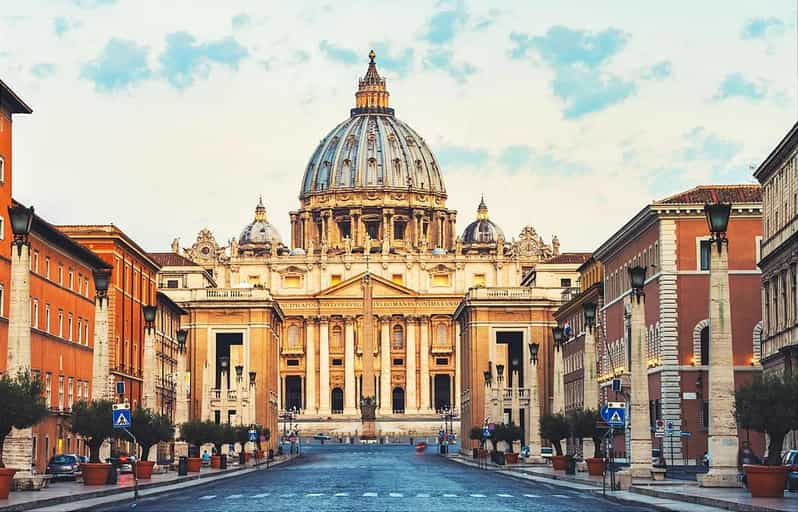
508, 434
475, 434
769, 405
150, 429
21, 404
241, 434
222, 434
197, 433
93, 421
587, 423
554, 428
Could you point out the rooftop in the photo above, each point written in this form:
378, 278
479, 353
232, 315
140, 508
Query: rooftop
566, 258
171, 259
747, 193
14, 102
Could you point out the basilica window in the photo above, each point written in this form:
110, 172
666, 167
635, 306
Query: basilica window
293, 338
292, 281
440, 280
344, 228
335, 340
398, 342
442, 335
399, 230
479, 280
335, 279
373, 229
398, 279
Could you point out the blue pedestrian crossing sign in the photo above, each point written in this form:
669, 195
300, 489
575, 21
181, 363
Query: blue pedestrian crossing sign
253, 435
614, 414
121, 416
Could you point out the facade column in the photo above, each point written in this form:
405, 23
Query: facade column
722, 439
590, 384
324, 366
533, 418
17, 453
411, 403
385, 366
100, 379
424, 326
148, 370
558, 403
639, 403
349, 368
181, 401
310, 366
457, 369
305, 234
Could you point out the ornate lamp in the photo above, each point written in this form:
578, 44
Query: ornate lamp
718, 220
224, 362
102, 278
637, 277
488, 377
239, 371
21, 222
533, 352
252, 376
590, 314
182, 334
500, 372
557, 332
149, 315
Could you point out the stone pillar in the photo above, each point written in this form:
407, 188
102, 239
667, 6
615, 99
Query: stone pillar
148, 369
385, 366
310, 366
457, 368
558, 392
515, 401
349, 368
533, 418
722, 439
181, 402
324, 366
424, 327
17, 453
305, 233
640, 445
411, 403
100, 380
589, 383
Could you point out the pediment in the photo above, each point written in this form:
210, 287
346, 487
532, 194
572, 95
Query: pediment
381, 287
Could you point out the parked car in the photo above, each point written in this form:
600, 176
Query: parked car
65, 465
322, 437
791, 461
123, 462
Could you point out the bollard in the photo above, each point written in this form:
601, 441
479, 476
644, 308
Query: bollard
223, 462
182, 466
242, 458
570, 465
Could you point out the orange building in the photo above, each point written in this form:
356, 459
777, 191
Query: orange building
10, 104
132, 286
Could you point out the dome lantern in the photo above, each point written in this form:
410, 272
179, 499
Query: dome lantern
371, 95
483, 230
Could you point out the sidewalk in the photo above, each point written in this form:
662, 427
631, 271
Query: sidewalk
676, 495
65, 496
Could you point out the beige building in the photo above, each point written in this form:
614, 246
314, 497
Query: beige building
373, 200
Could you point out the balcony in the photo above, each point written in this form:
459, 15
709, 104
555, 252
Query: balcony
441, 348
219, 294
507, 395
500, 292
569, 294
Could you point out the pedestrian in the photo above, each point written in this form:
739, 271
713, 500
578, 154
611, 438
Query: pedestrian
206, 459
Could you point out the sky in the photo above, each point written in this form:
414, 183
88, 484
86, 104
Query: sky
168, 117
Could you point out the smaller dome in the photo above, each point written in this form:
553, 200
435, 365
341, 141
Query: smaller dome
439, 251
297, 251
483, 230
260, 231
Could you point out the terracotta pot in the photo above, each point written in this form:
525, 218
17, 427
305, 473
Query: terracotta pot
765, 481
560, 462
595, 467
216, 461
95, 473
247, 457
6, 482
511, 458
194, 464
144, 469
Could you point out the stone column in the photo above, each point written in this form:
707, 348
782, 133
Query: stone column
722, 439
533, 418
558, 392
590, 384
305, 234
148, 369
324, 366
17, 450
385, 366
640, 445
515, 402
349, 368
181, 402
457, 370
310, 366
411, 403
424, 327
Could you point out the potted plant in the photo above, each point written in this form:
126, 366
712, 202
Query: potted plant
222, 434
242, 438
195, 433
510, 434
554, 428
149, 430
475, 434
22, 407
587, 423
92, 420
769, 405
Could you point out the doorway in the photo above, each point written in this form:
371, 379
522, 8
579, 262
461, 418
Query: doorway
293, 392
337, 401
398, 401
443, 391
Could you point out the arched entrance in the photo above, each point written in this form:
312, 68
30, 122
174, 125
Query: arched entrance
337, 401
443, 391
293, 392
398, 401
705, 346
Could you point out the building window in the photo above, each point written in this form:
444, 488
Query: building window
705, 246
336, 341
71, 280
86, 332
398, 361
442, 335
479, 280
398, 337
399, 230
343, 228
705, 346
440, 280
337, 362
292, 362
565, 283
293, 337
70, 392
60, 392
86, 287
48, 389
60, 275
36, 313
335, 279
373, 229
2, 229
80, 330
60, 323
47, 267
441, 361
2, 169
172, 283
398, 279
2, 297
36, 261
47, 317
69, 327
292, 281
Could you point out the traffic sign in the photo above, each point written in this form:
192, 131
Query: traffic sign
614, 414
121, 415
670, 428
253, 436
485, 433
684, 433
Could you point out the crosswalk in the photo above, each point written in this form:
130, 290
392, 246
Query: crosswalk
392, 494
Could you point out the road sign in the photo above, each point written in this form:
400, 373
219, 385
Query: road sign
485, 433
659, 428
670, 428
613, 415
253, 436
121, 415
685, 434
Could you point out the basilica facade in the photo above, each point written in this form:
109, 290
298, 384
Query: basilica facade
372, 201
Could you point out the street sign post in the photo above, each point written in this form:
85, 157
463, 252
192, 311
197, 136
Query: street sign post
253, 435
614, 414
121, 415
659, 430
120, 418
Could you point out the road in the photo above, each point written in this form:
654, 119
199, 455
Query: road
373, 477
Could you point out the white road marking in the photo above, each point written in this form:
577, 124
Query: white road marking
559, 496
504, 495
209, 497
235, 496
477, 495
531, 495
262, 495
422, 495
314, 494
449, 495
289, 495
395, 495
369, 494
342, 494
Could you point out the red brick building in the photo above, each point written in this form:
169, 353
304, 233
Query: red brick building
670, 239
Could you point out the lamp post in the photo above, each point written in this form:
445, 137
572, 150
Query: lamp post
181, 393
558, 402
722, 445
149, 370
534, 406
515, 399
640, 445
590, 395
499, 414
18, 359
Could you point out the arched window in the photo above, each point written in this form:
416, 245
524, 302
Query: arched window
442, 335
336, 337
337, 401
398, 342
293, 337
705, 346
398, 404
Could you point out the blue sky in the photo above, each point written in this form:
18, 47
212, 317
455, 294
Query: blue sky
167, 118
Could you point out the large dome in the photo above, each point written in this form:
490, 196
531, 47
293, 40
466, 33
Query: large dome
372, 149
259, 232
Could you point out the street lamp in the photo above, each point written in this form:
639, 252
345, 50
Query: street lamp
182, 334
500, 373
149, 316
639, 408
557, 332
239, 372
717, 215
488, 377
590, 314
21, 222
637, 278
252, 376
533, 352
102, 278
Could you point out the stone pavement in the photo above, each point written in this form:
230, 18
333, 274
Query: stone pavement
64, 495
665, 495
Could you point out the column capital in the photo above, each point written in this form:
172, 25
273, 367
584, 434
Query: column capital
323, 319
355, 211
411, 319
423, 318
388, 211
385, 318
304, 215
348, 319
313, 319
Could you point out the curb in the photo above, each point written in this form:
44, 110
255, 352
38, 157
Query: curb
701, 500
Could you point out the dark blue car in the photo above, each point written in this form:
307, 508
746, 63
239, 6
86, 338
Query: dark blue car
791, 461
